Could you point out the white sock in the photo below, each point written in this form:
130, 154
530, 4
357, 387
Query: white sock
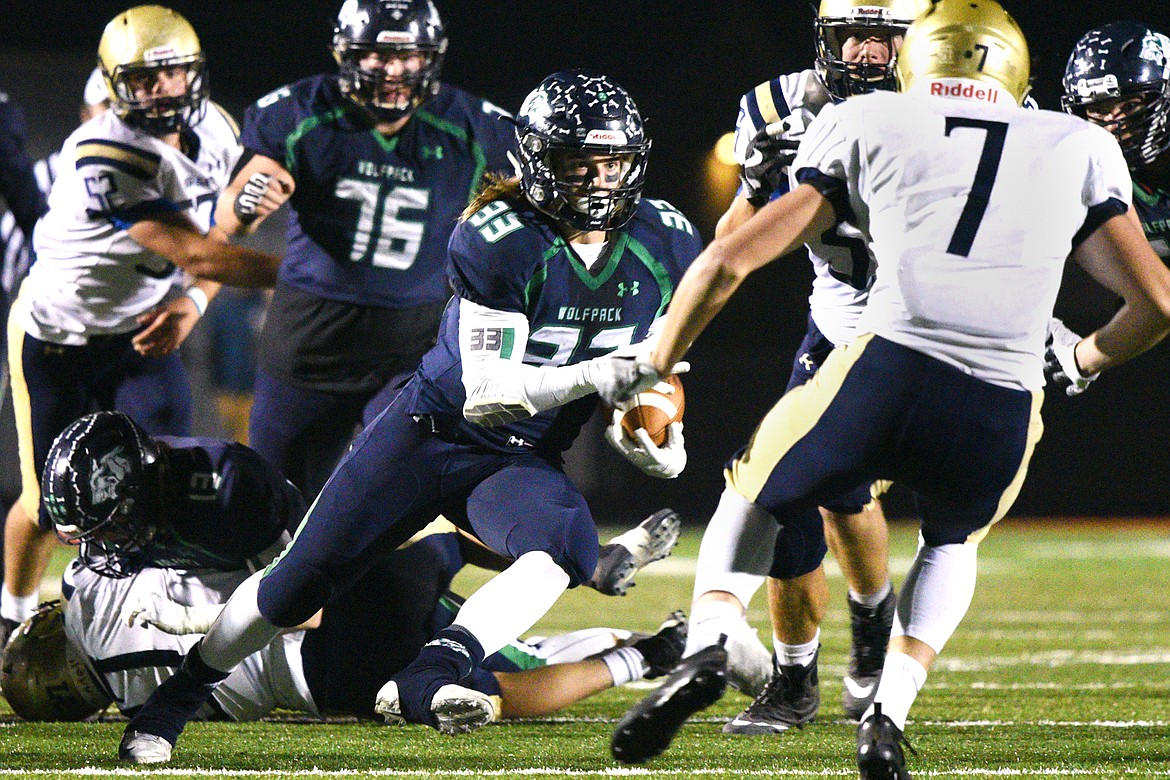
936, 593
736, 552
709, 619
18, 608
796, 655
902, 679
240, 629
873, 599
625, 664
575, 645
512, 601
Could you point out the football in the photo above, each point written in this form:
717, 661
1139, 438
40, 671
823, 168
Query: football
654, 409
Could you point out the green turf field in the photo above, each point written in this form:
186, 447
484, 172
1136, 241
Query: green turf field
1061, 669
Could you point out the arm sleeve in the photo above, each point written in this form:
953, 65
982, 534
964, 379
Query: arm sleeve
18, 184
500, 387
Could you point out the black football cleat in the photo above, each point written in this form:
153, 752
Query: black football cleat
879, 748
663, 650
648, 727
790, 700
870, 628
623, 556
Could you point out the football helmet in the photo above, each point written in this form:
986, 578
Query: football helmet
838, 20
1128, 62
139, 44
102, 486
44, 678
970, 39
580, 112
392, 28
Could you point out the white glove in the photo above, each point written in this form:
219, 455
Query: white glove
665, 462
1060, 360
170, 616
616, 379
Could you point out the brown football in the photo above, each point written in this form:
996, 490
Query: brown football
655, 409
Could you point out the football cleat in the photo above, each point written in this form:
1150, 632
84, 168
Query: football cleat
388, 705
624, 555
461, 710
7, 627
789, 700
867, 654
648, 727
749, 663
140, 748
879, 748
663, 650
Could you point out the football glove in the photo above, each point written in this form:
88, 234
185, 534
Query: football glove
665, 462
1060, 360
768, 156
171, 617
618, 378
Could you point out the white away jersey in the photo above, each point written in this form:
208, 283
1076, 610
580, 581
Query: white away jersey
131, 661
841, 260
972, 209
90, 277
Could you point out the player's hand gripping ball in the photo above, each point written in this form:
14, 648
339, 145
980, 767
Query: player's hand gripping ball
654, 409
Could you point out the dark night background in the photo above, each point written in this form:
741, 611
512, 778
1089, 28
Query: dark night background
686, 64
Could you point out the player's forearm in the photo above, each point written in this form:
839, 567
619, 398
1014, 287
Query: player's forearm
1132, 331
230, 264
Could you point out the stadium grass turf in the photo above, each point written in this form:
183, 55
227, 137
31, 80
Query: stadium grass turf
1061, 669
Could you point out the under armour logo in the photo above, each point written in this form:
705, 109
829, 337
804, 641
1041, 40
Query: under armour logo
431, 153
806, 362
631, 288
53, 349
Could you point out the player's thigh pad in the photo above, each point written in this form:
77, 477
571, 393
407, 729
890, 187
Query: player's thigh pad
811, 444
528, 505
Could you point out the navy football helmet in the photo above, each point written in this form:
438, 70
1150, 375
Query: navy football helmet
392, 28
1127, 62
580, 112
102, 486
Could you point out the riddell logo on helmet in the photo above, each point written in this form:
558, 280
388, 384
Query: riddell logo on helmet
964, 89
605, 137
395, 36
159, 53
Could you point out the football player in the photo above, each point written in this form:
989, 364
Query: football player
1118, 76
856, 41
381, 158
104, 309
167, 527
941, 389
554, 269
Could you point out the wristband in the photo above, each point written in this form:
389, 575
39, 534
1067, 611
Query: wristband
199, 298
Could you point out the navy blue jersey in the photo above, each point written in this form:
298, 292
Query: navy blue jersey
1153, 209
371, 215
222, 505
509, 257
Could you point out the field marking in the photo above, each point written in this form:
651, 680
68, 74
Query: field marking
546, 771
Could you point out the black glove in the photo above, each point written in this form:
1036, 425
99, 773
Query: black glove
768, 156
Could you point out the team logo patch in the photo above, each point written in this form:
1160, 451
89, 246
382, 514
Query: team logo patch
111, 469
352, 16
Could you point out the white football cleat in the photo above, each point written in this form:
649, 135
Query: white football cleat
749, 663
141, 748
387, 705
460, 710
